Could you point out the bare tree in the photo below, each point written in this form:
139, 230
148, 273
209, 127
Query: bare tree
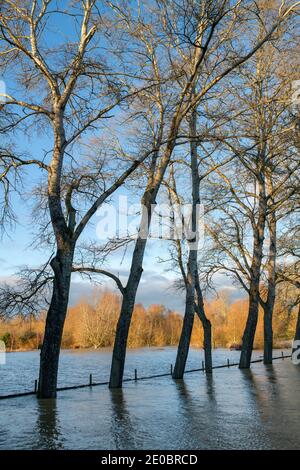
69, 91
189, 274
201, 32
257, 191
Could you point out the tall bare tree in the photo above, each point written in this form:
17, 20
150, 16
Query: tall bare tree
189, 272
260, 189
202, 33
68, 88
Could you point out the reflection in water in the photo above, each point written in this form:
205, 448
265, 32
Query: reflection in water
278, 401
210, 387
48, 431
121, 427
230, 409
182, 390
197, 408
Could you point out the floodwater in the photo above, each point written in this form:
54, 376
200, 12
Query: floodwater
232, 409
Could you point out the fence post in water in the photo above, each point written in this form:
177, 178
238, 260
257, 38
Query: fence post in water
35, 386
91, 380
203, 366
171, 369
135, 374
282, 354
228, 363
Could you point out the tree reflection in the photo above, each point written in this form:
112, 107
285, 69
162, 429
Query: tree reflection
122, 429
48, 427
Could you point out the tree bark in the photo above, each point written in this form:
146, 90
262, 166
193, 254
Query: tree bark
192, 282
251, 324
268, 306
206, 324
268, 334
49, 359
297, 332
128, 301
187, 327
148, 200
129, 294
250, 329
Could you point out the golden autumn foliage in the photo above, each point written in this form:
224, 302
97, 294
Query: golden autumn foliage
93, 325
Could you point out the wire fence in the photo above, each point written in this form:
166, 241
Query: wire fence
136, 377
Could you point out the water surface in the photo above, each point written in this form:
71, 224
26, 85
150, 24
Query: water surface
21, 368
232, 409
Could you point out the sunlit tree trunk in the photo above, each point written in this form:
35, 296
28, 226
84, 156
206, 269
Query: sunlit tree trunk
61, 266
206, 324
56, 316
188, 322
268, 306
123, 325
129, 293
250, 329
194, 300
297, 332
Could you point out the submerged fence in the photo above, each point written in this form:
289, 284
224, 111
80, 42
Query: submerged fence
136, 377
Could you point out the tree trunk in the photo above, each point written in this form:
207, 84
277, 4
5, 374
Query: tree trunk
129, 294
297, 332
192, 279
62, 265
187, 328
295, 348
268, 334
206, 324
268, 306
250, 329
149, 198
122, 331
207, 345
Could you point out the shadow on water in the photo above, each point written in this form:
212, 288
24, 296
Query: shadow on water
230, 409
265, 388
47, 425
278, 401
275, 400
210, 387
122, 429
197, 407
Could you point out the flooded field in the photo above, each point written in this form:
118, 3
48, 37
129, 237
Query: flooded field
233, 409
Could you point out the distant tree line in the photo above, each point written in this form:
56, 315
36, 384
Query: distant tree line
93, 324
